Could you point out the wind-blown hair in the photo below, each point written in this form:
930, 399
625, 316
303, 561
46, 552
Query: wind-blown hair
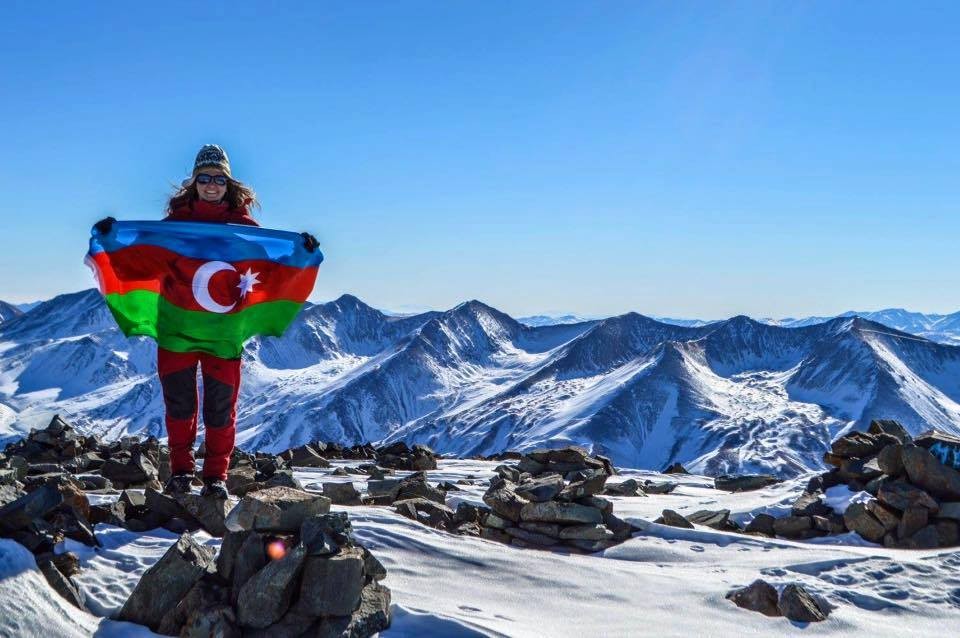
238, 196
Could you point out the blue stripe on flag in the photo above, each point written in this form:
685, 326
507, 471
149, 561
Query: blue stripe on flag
199, 240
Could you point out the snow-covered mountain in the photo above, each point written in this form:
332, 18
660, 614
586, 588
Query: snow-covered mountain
730, 396
940, 328
8, 311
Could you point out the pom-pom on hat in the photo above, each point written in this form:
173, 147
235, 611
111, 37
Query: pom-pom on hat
212, 155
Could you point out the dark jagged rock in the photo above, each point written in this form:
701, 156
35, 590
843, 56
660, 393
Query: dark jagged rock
541, 488
416, 486
649, 487
304, 456
559, 512
855, 445
277, 509
430, 513
757, 596
798, 605
341, 493
267, 595
503, 499
745, 483
901, 495
716, 519
891, 428
929, 473
673, 519
167, 582
761, 524
859, 519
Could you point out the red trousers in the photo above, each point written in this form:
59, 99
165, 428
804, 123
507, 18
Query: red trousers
221, 384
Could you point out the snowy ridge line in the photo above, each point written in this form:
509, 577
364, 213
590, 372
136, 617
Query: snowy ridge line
736, 396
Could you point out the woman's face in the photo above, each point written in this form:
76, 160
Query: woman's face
211, 191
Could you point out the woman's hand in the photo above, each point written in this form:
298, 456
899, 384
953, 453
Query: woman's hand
309, 242
104, 225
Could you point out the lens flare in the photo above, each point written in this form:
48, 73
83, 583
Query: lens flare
276, 550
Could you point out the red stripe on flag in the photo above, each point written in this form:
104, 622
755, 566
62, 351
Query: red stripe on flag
157, 269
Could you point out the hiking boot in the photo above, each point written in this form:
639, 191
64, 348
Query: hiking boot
178, 485
215, 487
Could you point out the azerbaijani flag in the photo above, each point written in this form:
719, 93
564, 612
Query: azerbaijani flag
202, 287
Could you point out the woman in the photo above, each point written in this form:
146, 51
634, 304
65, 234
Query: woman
209, 195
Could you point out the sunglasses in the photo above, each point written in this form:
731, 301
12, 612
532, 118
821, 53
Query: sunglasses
219, 180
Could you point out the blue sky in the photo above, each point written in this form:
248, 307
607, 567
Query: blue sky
673, 158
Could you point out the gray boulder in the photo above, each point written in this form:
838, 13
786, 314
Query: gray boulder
559, 512
277, 509
331, 586
798, 605
927, 472
757, 596
169, 579
745, 483
266, 596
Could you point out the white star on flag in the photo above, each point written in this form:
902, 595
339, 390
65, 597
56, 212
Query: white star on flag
247, 281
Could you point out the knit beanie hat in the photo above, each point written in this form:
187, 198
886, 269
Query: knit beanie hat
212, 155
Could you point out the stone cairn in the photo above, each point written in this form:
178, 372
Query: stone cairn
286, 567
277, 533
551, 499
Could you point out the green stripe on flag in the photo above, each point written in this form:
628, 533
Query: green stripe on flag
142, 312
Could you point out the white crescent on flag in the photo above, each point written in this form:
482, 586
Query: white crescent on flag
201, 286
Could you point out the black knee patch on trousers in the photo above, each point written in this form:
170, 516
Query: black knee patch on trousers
217, 402
180, 393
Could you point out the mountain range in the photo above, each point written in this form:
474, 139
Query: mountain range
730, 396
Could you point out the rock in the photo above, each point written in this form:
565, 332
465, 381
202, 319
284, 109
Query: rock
204, 594
630, 487
331, 586
36, 504
673, 519
217, 621
605, 506
384, 491
793, 526
570, 455
209, 511
810, 505
914, 519
558, 512
494, 534
283, 478
19, 466
891, 428
716, 519
430, 513
590, 546
798, 605
675, 468
62, 584
855, 445
757, 596
586, 533
324, 535
926, 538
250, 558
467, 513
527, 465
950, 510
858, 519
239, 478
548, 529
505, 502
744, 483
948, 533
589, 486
945, 447
372, 616
277, 509
139, 470
304, 456
533, 538
497, 522
508, 472
541, 489
761, 524
169, 579
266, 596
901, 495
929, 473
341, 493
622, 530
650, 487
887, 516
890, 460
340, 471
416, 486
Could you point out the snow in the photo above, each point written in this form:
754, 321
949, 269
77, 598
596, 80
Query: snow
663, 581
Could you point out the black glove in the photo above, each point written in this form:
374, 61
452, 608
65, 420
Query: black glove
309, 242
104, 225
